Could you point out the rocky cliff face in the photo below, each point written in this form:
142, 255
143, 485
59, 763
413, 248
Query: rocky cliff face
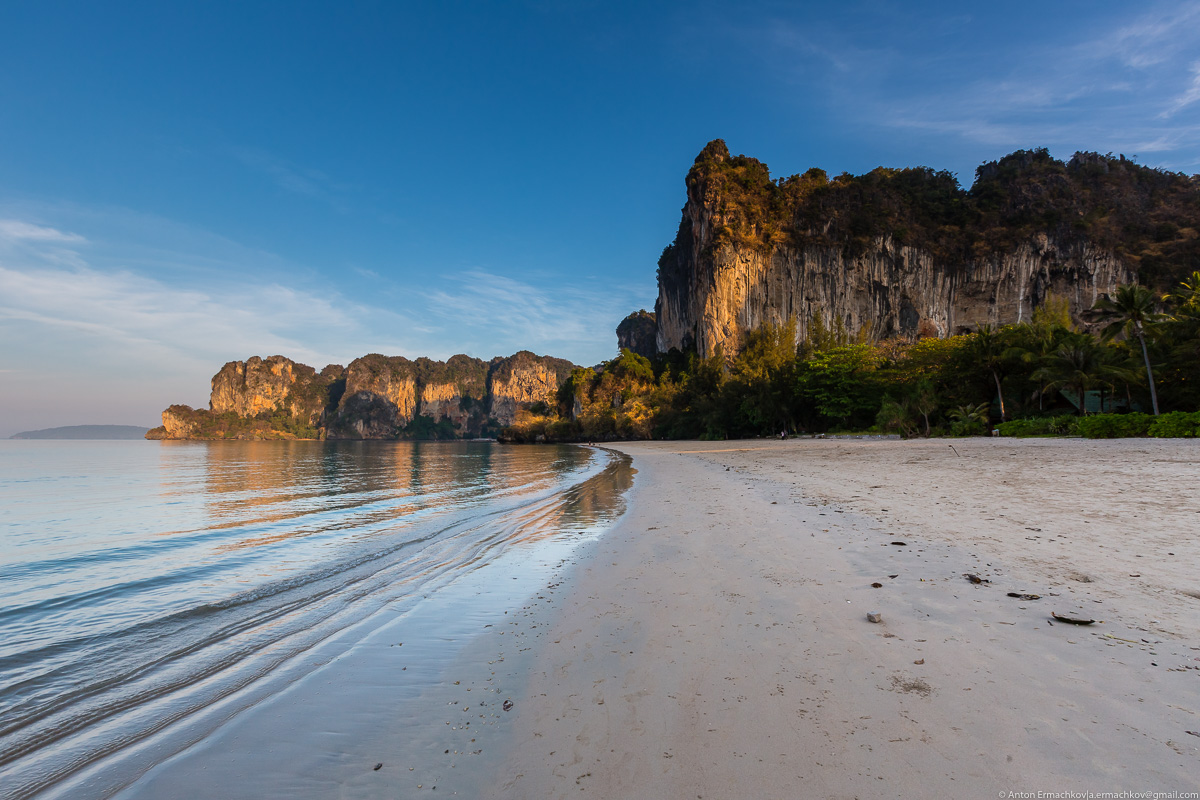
376, 397
638, 332
385, 394
522, 380
275, 384
891, 290
896, 253
380, 398
176, 424
456, 391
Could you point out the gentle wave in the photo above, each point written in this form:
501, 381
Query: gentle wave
139, 628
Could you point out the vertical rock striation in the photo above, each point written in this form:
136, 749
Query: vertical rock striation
376, 397
380, 398
521, 380
385, 394
906, 252
274, 384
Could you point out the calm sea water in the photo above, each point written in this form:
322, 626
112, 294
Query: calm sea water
141, 583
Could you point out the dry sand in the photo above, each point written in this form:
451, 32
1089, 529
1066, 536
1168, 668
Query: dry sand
715, 644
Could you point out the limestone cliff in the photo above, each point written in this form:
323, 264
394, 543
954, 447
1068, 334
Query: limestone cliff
906, 252
177, 423
274, 384
523, 380
638, 333
380, 398
376, 397
455, 391
384, 395
185, 422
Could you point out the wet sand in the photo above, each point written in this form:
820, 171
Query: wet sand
715, 644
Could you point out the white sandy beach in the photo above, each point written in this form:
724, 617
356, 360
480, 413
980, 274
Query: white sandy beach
715, 644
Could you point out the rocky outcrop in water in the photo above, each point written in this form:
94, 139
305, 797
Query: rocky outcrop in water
375, 397
907, 252
177, 423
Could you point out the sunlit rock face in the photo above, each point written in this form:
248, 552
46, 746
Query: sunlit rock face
255, 385
275, 384
379, 399
384, 395
176, 424
455, 391
713, 300
522, 380
376, 397
745, 257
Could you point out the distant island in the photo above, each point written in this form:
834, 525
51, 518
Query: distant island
86, 432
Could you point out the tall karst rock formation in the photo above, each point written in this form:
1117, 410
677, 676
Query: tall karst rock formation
908, 252
376, 397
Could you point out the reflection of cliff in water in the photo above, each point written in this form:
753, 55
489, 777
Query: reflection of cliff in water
197, 576
276, 491
582, 508
601, 499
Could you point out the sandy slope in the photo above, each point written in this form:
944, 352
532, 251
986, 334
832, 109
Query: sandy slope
715, 644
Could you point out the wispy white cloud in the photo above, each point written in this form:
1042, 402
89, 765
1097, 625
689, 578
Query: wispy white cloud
575, 320
144, 320
1188, 96
1124, 83
15, 230
92, 342
294, 178
121, 330
1155, 37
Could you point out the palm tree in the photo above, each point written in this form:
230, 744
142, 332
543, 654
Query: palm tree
1187, 297
925, 401
1033, 344
1116, 367
1131, 309
970, 415
1074, 366
991, 351
897, 415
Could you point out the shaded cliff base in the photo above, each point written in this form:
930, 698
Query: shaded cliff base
748, 667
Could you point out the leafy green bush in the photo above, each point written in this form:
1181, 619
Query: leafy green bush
1037, 426
1113, 426
967, 427
1176, 424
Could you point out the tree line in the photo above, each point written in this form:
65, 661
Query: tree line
1138, 373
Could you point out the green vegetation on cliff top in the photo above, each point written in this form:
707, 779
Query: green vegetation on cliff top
1147, 217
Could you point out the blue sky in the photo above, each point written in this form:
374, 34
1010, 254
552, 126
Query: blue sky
186, 184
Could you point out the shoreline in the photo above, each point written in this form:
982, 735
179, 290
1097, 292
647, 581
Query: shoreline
715, 643
417, 687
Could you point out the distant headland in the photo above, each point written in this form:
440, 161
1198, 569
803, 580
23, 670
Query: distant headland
86, 432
